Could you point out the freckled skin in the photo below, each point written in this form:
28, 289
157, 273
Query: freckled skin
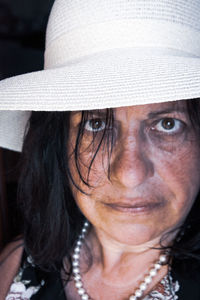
146, 164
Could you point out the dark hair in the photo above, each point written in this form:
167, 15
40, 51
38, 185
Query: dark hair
52, 220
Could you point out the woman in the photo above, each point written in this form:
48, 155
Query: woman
110, 196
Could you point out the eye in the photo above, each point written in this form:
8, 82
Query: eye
168, 125
95, 125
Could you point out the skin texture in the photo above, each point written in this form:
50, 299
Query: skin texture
154, 179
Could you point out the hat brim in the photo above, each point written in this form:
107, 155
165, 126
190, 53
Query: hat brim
114, 78
12, 129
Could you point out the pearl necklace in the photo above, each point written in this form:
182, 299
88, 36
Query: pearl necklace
77, 276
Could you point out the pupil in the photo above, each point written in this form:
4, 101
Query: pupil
95, 124
168, 123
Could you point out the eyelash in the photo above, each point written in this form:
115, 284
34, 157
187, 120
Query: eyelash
156, 123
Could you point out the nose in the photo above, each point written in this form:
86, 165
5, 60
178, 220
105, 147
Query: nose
131, 165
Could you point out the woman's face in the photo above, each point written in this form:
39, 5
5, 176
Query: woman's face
154, 171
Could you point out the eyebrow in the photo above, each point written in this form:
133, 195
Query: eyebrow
166, 111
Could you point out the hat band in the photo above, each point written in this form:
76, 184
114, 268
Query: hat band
122, 34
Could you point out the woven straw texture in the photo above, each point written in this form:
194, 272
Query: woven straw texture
68, 15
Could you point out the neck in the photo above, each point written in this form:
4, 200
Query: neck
116, 265
110, 253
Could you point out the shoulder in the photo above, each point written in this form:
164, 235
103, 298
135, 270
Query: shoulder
26, 280
12, 248
10, 260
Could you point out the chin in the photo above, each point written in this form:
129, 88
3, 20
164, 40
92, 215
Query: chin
136, 235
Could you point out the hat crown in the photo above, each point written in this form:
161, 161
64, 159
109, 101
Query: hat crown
71, 20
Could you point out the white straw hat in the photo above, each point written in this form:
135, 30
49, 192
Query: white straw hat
108, 53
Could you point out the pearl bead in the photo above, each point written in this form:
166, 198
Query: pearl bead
143, 286
133, 298
77, 249
78, 284
86, 224
77, 277
76, 270
162, 258
148, 279
75, 263
81, 291
84, 297
153, 272
157, 266
79, 243
84, 230
76, 256
138, 293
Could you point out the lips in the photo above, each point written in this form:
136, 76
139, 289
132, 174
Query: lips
135, 206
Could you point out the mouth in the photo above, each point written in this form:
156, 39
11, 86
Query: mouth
136, 207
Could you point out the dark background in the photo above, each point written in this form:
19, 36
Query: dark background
22, 42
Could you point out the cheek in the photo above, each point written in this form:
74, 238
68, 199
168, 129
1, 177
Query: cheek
180, 174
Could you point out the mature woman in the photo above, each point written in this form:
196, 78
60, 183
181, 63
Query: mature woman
110, 196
